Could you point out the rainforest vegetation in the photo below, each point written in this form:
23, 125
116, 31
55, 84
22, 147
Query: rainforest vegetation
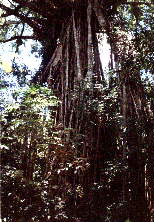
77, 140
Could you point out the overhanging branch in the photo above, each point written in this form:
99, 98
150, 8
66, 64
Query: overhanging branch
33, 24
44, 11
17, 38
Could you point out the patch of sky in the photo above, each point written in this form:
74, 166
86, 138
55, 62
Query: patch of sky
23, 54
26, 55
105, 54
147, 76
6, 91
24, 58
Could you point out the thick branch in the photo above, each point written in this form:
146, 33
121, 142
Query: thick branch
7, 23
44, 11
8, 10
23, 18
18, 37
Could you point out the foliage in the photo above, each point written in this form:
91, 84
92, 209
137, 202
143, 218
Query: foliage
39, 158
25, 128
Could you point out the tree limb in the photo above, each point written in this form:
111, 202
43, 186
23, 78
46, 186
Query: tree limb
136, 3
125, 2
36, 27
11, 3
7, 23
36, 8
17, 37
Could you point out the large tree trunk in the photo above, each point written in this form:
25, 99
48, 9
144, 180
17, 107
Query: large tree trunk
74, 69
135, 118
